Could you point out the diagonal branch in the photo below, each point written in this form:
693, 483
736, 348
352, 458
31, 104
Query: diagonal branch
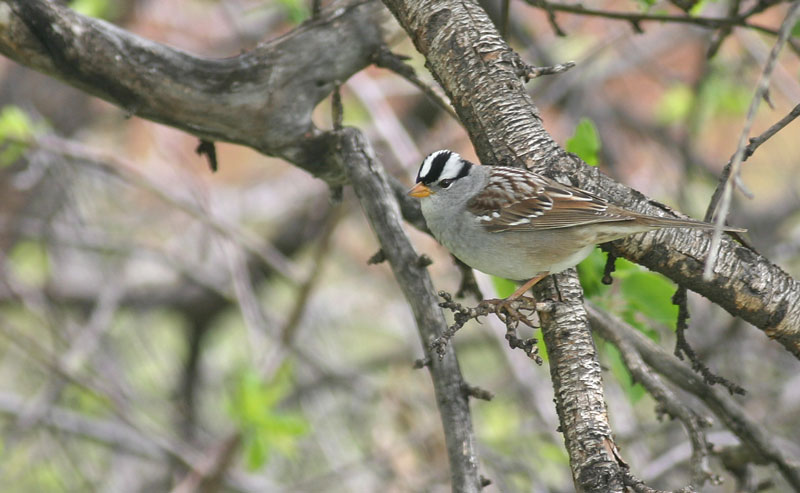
257, 98
723, 405
373, 190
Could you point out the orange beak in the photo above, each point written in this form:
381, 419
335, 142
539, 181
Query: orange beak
419, 190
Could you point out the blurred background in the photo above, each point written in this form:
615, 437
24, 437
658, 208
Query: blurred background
156, 317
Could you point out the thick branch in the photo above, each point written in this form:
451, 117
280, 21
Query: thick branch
578, 387
479, 73
262, 98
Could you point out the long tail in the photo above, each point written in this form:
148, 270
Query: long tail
673, 222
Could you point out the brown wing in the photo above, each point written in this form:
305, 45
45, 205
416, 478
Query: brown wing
518, 200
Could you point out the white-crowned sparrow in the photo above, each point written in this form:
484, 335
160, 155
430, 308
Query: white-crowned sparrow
512, 223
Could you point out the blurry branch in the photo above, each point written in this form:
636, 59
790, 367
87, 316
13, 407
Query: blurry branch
751, 433
116, 435
635, 18
748, 151
731, 176
288, 331
128, 172
73, 359
257, 98
719, 37
372, 188
113, 434
384, 58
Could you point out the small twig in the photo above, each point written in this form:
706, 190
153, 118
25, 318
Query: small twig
337, 110
528, 72
507, 312
468, 284
636, 17
682, 346
551, 18
639, 486
506, 8
377, 258
476, 392
755, 142
423, 261
384, 58
733, 176
611, 266
289, 330
719, 37
422, 363
208, 148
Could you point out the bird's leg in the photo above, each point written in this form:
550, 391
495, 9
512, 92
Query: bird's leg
513, 316
528, 285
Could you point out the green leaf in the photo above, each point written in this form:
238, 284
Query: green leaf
503, 287
796, 30
253, 406
256, 450
585, 142
590, 273
99, 9
296, 10
675, 104
725, 94
645, 4
30, 263
651, 295
16, 126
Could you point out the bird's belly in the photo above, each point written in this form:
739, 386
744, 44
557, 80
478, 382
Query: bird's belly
512, 256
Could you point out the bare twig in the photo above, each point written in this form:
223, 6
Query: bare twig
733, 177
634, 18
682, 347
289, 329
129, 173
384, 58
719, 37
529, 72
510, 313
755, 142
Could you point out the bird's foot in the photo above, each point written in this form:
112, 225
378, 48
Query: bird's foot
508, 310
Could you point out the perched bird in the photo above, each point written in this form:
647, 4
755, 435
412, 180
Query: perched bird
516, 224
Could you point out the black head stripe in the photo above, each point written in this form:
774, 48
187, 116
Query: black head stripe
464, 169
437, 165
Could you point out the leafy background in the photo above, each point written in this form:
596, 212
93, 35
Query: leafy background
126, 308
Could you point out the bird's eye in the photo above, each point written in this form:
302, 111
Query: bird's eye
445, 183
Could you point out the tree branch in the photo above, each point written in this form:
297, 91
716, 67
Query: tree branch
257, 98
373, 190
718, 400
636, 17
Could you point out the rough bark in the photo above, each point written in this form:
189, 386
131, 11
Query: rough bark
479, 71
